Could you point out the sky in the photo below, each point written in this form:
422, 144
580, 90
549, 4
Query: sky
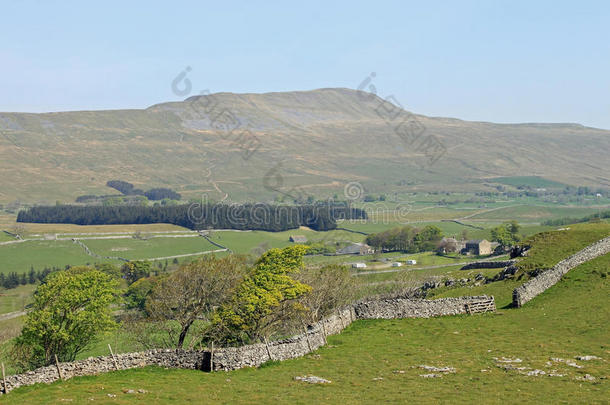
500, 61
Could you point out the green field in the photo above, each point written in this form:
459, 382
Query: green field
5, 237
140, 249
20, 257
549, 248
15, 299
244, 242
389, 283
377, 360
528, 213
449, 228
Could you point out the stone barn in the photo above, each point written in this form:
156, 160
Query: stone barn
477, 247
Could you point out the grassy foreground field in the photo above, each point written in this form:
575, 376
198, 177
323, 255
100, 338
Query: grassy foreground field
377, 360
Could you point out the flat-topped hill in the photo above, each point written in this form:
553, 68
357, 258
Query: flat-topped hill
321, 139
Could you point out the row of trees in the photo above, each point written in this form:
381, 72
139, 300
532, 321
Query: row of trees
153, 194
221, 300
265, 217
130, 271
230, 303
407, 239
566, 221
14, 279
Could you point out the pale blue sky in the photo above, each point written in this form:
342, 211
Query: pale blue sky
503, 61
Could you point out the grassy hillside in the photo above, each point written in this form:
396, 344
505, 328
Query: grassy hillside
377, 360
316, 140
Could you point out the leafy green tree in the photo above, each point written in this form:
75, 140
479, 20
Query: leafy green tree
138, 292
133, 271
428, 238
109, 269
506, 234
400, 238
69, 310
264, 298
513, 227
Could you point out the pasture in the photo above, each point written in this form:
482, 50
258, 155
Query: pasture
379, 360
19, 257
146, 249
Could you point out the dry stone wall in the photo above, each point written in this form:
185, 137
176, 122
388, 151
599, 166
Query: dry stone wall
408, 308
95, 365
488, 265
549, 278
253, 355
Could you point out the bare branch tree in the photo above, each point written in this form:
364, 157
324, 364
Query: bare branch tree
332, 288
193, 291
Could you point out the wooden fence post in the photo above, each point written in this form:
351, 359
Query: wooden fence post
116, 365
268, 350
4, 380
61, 375
307, 338
212, 357
324, 331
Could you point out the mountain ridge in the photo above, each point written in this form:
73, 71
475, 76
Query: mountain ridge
322, 138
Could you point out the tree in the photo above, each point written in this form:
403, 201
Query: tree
69, 310
506, 234
32, 276
157, 194
428, 238
133, 271
264, 299
138, 292
121, 186
332, 287
513, 227
400, 238
12, 280
447, 245
193, 291
109, 269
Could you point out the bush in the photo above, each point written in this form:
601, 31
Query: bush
68, 312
